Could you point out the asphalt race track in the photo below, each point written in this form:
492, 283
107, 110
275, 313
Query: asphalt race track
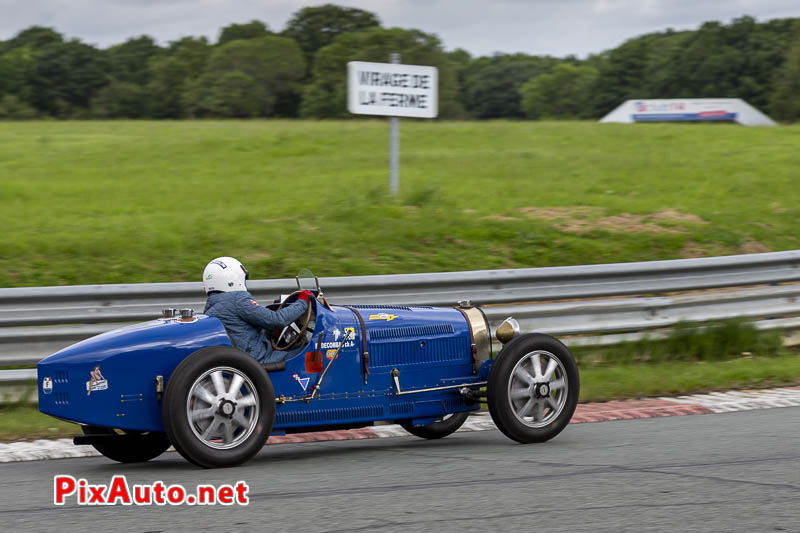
717, 473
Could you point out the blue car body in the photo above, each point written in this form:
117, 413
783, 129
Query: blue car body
116, 379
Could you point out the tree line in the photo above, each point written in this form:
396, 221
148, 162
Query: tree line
300, 71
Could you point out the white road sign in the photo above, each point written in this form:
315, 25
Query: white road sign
392, 90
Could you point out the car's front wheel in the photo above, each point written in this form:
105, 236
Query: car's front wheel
533, 388
219, 407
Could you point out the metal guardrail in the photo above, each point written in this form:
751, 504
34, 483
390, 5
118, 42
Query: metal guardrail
17, 376
37, 321
123, 303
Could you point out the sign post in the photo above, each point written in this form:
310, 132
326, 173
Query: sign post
394, 90
394, 141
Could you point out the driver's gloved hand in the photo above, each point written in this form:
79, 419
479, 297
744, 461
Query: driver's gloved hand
304, 296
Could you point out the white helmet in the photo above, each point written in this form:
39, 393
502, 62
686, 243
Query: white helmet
225, 274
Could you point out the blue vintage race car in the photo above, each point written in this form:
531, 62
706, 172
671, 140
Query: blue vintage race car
179, 380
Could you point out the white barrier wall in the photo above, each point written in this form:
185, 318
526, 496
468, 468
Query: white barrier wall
689, 110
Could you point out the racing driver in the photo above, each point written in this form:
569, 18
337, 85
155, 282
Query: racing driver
246, 321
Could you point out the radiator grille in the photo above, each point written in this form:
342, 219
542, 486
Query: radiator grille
413, 352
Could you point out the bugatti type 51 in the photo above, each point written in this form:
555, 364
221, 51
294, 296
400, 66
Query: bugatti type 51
178, 380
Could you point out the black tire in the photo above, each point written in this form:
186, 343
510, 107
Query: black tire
130, 447
441, 428
223, 431
515, 413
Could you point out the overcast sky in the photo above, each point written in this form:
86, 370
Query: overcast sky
555, 27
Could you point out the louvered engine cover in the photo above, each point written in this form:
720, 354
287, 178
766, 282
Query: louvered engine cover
399, 336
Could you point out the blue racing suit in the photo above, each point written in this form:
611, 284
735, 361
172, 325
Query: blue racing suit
246, 321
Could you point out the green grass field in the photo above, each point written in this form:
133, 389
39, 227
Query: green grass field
125, 201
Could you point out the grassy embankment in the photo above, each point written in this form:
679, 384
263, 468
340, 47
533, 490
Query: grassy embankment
729, 355
114, 202
121, 202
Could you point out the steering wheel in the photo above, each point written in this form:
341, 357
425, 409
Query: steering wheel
291, 334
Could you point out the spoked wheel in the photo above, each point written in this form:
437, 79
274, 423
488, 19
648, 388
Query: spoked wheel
533, 388
219, 407
128, 446
440, 428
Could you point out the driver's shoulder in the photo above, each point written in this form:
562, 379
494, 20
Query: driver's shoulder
243, 297
245, 302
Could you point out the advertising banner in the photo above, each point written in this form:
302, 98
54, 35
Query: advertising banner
689, 110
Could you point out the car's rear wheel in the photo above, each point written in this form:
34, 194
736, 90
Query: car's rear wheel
440, 428
128, 446
219, 407
533, 388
